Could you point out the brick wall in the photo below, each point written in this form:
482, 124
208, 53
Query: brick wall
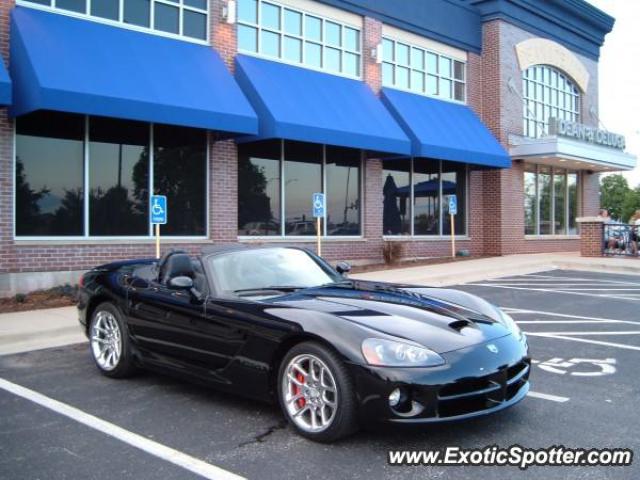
495, 203
591, 238
502, 112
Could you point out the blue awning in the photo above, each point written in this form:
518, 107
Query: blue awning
5, 85
445, 130
301, 104
81, 66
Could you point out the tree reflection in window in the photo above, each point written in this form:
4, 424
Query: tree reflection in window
48, 174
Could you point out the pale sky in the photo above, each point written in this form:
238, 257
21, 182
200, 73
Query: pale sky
619, 73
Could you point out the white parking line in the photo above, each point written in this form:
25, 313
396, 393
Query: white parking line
564, 315
554, 291
606, 289
584, 340
599, 280
573, 322
621, 286
156, 449
546, 396
635, 332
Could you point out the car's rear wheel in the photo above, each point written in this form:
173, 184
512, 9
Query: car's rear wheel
316, 393
110, 346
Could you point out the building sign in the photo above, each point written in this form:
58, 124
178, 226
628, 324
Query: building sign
567, 128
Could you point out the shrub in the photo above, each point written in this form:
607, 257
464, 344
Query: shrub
392, 252
20, 298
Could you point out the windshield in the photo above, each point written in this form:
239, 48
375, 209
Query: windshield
268, 268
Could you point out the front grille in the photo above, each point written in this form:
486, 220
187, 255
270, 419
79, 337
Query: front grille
483, 393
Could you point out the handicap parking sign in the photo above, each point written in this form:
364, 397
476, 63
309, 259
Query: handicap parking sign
453, 205
319, 205
158, 209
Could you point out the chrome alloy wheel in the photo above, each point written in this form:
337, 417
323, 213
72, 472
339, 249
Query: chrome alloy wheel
106, 340
310, 393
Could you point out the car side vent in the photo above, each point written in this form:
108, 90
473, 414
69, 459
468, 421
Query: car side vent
460, 324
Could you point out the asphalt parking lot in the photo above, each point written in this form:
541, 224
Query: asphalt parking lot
583, 329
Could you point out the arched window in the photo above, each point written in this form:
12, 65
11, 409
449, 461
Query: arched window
548, 93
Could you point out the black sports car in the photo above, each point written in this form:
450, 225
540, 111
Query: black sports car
279, 323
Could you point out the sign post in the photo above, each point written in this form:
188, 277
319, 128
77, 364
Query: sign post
453, 211
158, 213
319, 212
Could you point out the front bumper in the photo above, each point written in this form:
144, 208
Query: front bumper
473, 382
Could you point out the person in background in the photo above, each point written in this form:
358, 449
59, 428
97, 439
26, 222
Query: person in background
609, 240
616, 239
634, 221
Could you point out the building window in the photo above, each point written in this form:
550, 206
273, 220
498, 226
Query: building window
272, 30
548, 93
416, 197
180, 173
276, 179
418, 70
59, 155
550, 201
49, 184
183, 18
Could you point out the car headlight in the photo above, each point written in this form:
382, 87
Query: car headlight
510, 323
387, 353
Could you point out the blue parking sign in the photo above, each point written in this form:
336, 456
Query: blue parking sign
319, 206
453, 205
158, 209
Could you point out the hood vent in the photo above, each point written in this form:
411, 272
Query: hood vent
460, 324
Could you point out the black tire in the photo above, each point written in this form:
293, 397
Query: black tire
344, 421
125, 365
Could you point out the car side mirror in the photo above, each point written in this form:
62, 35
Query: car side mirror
343, 267
181, 283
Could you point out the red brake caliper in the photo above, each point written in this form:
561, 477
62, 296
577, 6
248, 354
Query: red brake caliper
296, 389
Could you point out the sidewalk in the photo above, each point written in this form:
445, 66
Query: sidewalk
24, 331
36, 329
444, 274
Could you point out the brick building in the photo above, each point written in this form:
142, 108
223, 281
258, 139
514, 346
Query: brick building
239, 110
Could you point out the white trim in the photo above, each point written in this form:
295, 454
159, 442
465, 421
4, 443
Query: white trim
120, 23
298, 239
551, 237
579, 155
33, 241
86, 178
151, 186
422, 238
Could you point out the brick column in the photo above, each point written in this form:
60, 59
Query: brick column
591, 236
7, 250
372, 37
223, 34
223, 191
373, 201
223, 154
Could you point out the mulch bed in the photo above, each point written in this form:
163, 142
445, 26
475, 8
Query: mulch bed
52, 298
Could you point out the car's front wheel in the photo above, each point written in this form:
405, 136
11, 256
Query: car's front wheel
109, 342
316, 393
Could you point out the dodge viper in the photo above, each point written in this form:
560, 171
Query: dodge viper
281, 324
